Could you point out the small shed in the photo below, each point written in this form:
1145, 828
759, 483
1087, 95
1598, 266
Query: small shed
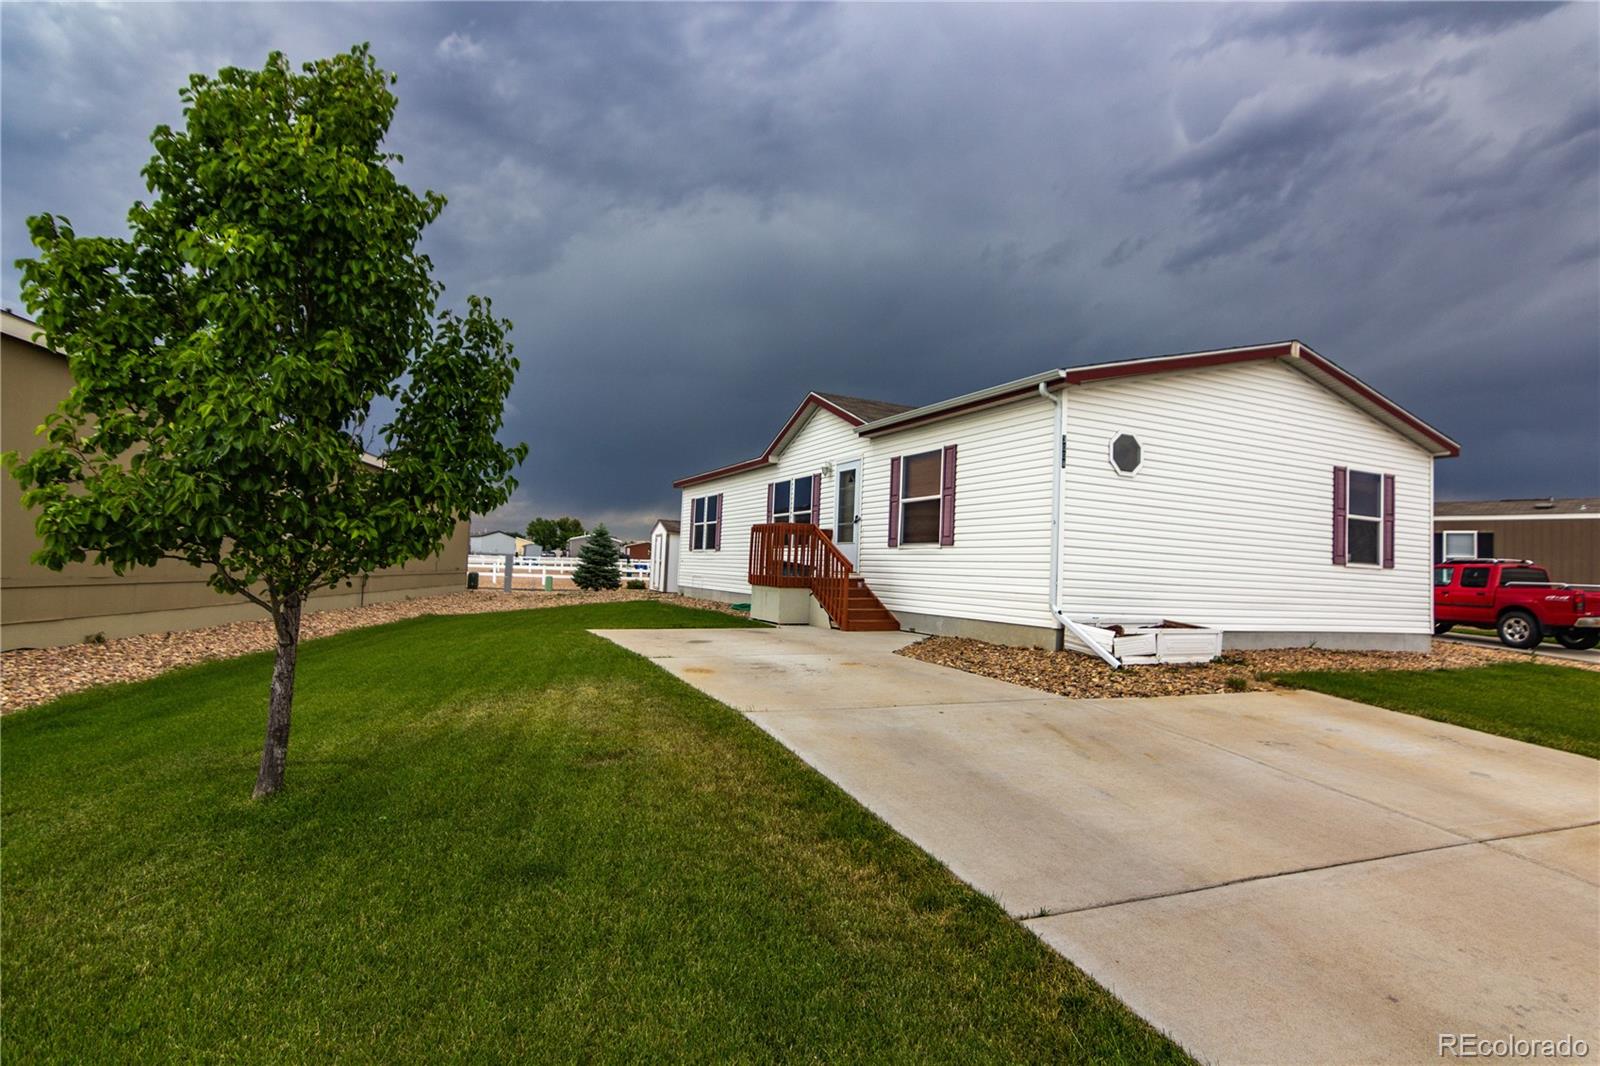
664, 555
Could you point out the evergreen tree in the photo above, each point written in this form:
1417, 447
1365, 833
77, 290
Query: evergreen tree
597, 562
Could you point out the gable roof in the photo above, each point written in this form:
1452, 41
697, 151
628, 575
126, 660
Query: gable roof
866, 410
668, 524
1320, 369
865, 417
814, 401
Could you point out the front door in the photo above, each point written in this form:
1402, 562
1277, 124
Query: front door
847, 510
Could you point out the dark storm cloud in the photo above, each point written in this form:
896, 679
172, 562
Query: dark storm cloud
696, 214
1349, 28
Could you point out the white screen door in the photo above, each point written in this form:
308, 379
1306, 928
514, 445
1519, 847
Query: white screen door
847, 510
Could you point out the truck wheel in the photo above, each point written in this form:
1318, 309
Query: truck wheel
1578, 639
1519, 629
1441, 628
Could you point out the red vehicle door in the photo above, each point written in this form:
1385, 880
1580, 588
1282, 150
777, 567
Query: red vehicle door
1469, 597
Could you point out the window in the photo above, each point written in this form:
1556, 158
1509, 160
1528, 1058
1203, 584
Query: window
1443, 574
1364, 519
1460, 544
1126, 455
794, 501
1475, 577
1523, 573
703, 523
921, 480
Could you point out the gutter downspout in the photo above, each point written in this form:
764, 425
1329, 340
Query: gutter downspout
1060, 462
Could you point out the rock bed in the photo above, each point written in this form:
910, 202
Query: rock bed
1086, 677
32, 676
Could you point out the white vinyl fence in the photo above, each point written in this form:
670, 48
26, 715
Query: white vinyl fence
540, 567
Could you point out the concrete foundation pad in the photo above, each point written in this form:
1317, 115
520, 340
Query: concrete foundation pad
1368, 963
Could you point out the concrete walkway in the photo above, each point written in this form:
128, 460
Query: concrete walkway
1267, 877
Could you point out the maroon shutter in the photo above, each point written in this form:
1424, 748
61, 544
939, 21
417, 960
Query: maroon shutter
769, 502
947, 499
1388, 521
894, 503
816, 500
717, 530
1340, 555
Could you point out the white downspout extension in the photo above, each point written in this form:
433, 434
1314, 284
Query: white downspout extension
1060, 463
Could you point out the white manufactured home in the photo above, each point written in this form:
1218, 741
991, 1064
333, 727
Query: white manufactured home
1262, 491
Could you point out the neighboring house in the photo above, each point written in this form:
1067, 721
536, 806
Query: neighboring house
498, 542
1262, 490
664, 539
41, 608
1561, 535
630, 549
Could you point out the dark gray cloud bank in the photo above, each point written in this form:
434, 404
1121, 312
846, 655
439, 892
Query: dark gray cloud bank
696, 214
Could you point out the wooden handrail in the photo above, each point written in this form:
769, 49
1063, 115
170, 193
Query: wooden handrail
800, 555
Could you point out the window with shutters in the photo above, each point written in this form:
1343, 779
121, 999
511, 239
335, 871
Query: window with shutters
703, 523
1364, 519
921, 484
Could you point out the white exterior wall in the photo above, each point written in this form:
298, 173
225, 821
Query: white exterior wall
492, 544
825, 438
1229, 520
998, 569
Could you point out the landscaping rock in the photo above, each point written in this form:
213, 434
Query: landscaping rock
1068, 673
32, 676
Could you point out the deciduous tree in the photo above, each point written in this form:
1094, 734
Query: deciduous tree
269, 302
552, 534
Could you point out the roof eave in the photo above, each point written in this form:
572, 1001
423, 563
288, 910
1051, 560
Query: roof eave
1357, 392
791, 427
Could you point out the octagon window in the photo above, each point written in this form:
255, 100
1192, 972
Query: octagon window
1126, 455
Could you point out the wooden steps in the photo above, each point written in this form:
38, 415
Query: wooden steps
867, 613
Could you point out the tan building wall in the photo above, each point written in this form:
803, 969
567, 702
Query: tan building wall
1567, 547
42, 608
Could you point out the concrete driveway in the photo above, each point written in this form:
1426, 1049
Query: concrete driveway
1269, 878
1548, 650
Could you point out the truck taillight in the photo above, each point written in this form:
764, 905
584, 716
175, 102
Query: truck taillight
1581, 604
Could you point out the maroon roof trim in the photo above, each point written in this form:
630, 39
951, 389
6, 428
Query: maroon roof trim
1163, 364
934, 416
1376, 398
765, 458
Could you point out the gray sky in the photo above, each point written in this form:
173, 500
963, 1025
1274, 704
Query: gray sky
696, 214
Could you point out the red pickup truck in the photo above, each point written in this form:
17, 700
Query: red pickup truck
1517, 599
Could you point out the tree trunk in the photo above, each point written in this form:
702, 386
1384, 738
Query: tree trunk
275, 752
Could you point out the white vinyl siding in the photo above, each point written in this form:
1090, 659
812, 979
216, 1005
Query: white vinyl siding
998, 569
824, 438
1229, 521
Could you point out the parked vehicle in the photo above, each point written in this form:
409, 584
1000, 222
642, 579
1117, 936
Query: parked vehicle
1516, 599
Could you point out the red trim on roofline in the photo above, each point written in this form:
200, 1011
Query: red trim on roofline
987, 401
765, 458
1373, 396
1163, 364
1289, 351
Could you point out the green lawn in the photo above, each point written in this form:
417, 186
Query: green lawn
503, 838
1557, 706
